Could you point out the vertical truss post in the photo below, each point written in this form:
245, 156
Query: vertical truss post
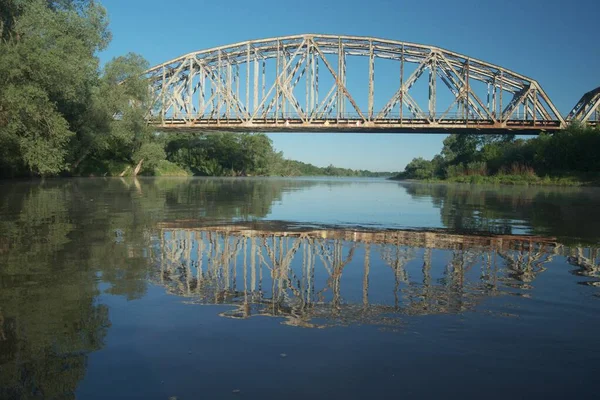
201, 94
401, 83
248, 78
535, 105
163, 95
343, 103
371, 80
284, 77
432, 87
256, 73
308, 79
494, 94
213, 96
218, 94
190, 88
339, 88
467, 81
500, 109
236, 77
277, 76
264, 72
341, 79
313, 103
316, 97
228, 89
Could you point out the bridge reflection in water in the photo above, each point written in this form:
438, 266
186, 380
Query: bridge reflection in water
322, 277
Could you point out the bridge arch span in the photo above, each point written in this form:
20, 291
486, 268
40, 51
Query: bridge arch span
301, 83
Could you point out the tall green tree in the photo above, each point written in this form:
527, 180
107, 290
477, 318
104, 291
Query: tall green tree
115, 127
48, 69
57, 109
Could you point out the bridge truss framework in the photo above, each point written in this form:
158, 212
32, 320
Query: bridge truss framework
300, 83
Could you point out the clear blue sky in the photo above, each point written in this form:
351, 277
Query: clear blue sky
552, 41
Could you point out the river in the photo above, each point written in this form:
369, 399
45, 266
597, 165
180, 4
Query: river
305, 288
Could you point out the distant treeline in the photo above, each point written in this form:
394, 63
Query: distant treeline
228, 154
566, 157
61, 114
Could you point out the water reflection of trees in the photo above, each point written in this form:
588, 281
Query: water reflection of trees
299, 274
47, 296
561, 212
60, 238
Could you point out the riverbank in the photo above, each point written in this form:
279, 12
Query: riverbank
525, 180
165, 168
565, 158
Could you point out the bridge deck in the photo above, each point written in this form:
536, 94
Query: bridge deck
358, 126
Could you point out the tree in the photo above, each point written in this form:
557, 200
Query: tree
419, 168
256, 150
222, 153
47, 70
116, 128
460, 148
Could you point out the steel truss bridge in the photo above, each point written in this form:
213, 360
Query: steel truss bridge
325, 83
297, 273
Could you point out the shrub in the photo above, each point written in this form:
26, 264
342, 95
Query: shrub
517, 169
167, 168
453, 171
476, 168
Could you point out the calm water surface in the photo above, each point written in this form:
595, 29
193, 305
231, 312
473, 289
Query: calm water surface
297, 289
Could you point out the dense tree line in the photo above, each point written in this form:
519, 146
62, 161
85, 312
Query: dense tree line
61, 114
567, 156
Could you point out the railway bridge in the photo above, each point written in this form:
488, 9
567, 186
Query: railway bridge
327, 83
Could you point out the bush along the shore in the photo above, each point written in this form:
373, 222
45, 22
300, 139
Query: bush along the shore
567, 157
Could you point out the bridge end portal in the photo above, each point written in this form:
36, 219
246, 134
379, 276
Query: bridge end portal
587, 109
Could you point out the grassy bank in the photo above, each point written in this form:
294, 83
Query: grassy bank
518, 180
512, 179
167, 168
